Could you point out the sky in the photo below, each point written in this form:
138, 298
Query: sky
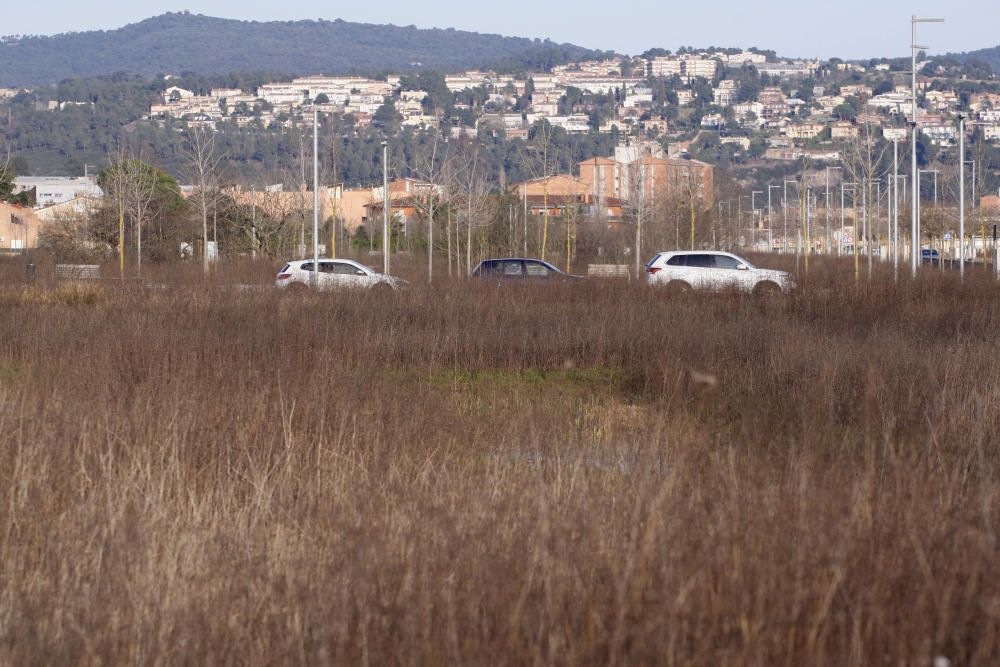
847, 29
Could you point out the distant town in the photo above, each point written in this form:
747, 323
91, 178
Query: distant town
667, 123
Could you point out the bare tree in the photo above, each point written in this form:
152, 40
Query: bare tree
539, 160
430, 168
116, 181
635, 205
471, 195
863, 162
139, 197
203, 163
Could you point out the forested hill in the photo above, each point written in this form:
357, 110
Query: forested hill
183, 42
990, 55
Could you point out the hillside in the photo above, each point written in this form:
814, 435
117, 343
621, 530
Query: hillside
179, 42
990, 56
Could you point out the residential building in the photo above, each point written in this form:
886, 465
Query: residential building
649, 176
726, 93
843, 130
745, 58
804, 130
786, 70
19, 227
665, 66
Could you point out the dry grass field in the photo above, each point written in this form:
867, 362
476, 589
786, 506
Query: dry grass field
594, 474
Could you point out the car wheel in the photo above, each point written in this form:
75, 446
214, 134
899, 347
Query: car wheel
767, 288
678, 287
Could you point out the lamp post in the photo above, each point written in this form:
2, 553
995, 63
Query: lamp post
770, 219
315, 271
895, 209
784, 214
915, 223
385, 207
829, 243
753, 214
961, 198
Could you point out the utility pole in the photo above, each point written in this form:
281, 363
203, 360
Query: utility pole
915, 223
315, 271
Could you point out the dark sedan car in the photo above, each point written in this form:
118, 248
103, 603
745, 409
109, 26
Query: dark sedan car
521, 269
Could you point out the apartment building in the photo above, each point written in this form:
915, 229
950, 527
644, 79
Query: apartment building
700, 67
745, 58
649, 176
786, 70
665, 66
19, 227
804, 130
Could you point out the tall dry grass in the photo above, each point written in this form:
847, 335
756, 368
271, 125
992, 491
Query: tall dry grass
595, 474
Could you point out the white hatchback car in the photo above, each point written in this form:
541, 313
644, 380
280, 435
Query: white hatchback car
712, 270
334, 274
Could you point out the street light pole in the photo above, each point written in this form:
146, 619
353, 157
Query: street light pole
315, 271
895, 209
829, 243
385, 207
961, 197
915, 223
753, 214
784, 213
770, 219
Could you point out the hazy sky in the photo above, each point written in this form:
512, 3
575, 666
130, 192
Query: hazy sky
849, 28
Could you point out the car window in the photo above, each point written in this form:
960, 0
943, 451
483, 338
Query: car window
326, 267
536, 270
308, 266
511, 268
284, 268
345, 269
677, 260
726, 262
701, 261
652, 261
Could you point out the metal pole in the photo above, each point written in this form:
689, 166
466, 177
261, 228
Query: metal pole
253, 223
915, 223
826, 203
385, 207
840, 241
784, 217
770, 218
770, 246
315, 271
895, 209
961, 196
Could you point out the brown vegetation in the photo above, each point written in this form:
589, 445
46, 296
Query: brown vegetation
596, 474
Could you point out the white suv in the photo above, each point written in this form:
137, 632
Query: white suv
710, 270
334, 274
